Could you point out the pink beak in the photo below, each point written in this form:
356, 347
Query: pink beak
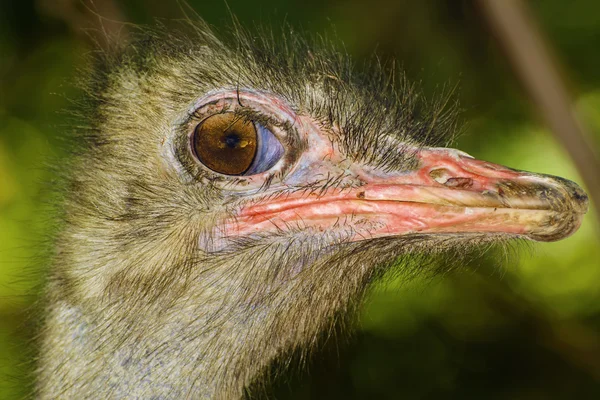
448, 193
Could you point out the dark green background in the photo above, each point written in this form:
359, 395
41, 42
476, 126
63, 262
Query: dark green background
518, 326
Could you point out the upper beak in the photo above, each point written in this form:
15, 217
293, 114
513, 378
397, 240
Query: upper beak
449, 192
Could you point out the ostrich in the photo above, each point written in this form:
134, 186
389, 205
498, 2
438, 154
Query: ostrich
230, 199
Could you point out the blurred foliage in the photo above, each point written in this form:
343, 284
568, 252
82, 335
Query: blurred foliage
516, 327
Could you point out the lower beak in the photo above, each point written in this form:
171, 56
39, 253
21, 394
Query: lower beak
450, 192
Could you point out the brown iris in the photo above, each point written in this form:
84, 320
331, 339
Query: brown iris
225, 143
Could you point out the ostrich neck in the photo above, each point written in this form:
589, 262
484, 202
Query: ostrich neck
120, 328
165, 349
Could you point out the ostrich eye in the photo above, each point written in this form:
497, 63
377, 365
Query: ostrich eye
231, 145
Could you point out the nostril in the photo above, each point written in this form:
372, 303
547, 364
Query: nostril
444, 177
440, 175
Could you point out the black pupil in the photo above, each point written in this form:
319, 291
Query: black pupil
232, 140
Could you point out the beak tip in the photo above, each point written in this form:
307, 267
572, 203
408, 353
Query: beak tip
580, 198
576, 199
572, 205
560, 227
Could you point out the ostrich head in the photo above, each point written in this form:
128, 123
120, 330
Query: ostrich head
229, 202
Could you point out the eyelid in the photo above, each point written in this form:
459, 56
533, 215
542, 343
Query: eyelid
252, 103
257, 117
268, 153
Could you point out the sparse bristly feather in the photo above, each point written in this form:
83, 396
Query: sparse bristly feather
152, 295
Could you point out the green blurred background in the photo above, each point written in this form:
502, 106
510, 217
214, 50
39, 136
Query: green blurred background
516, 327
